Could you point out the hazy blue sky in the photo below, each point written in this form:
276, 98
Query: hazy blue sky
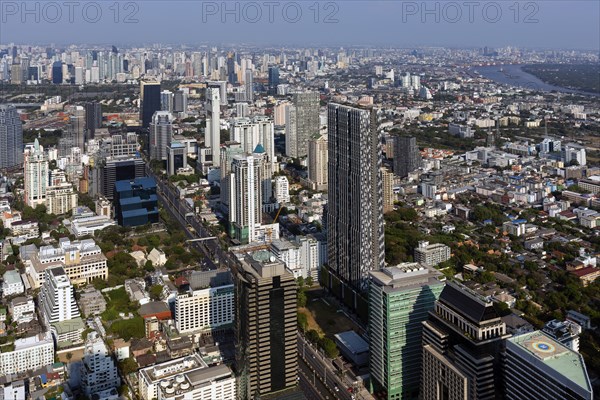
544, 23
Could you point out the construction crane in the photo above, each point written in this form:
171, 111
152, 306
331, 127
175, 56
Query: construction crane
277, 216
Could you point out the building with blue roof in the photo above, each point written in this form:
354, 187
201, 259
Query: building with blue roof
136, 202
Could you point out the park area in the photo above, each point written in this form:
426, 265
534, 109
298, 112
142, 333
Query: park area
323, 315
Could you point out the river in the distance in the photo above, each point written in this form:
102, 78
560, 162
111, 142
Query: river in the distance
513, 75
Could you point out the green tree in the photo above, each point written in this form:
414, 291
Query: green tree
155, 292
302, 321
313, 336
301, 297
128, 366
329, 347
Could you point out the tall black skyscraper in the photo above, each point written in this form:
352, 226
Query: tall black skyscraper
150, 101
11, 137
231, 75
273, 79
355, 237
265, 327
93, 118
57, 73
406, 155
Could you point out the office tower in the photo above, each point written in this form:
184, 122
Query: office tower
212, 138
462, 340
114, 169
176, 157
25, 67
265, 326
98, 371
57, 73
249, 84
538, 367
387, 179
400, 299
11, 137
57, 297
406, 155
180, 101
36, 175
16, 74
231, 75
136, 202
242, 110
166, 101
228, 151
273, 79
317, 162
302, 123
149, 101
161, 134
355, 242
246, 197
76, 128
93, 118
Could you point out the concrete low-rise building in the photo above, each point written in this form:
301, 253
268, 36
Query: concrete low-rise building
189, 375
22, 309
29, 353
12, 284
91, 301
432, 254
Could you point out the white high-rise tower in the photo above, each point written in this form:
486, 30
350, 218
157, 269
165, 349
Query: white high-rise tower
57, 297
36, 175
212, 138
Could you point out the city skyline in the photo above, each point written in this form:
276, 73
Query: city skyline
397, 24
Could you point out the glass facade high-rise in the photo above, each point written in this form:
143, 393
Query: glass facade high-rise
273, 79
302, 123
57, 73
406, 155
355, 235
400, 299
11, 137
149, 101
93, 118
161, 134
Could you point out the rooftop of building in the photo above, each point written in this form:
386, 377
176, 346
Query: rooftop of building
468, 303
69, 325
406, 276
153, 307
33, 341
142, 183
554, 355
12, 277
172, 368
353, 342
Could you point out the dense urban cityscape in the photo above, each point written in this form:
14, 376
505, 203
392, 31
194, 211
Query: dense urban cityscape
244, 222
